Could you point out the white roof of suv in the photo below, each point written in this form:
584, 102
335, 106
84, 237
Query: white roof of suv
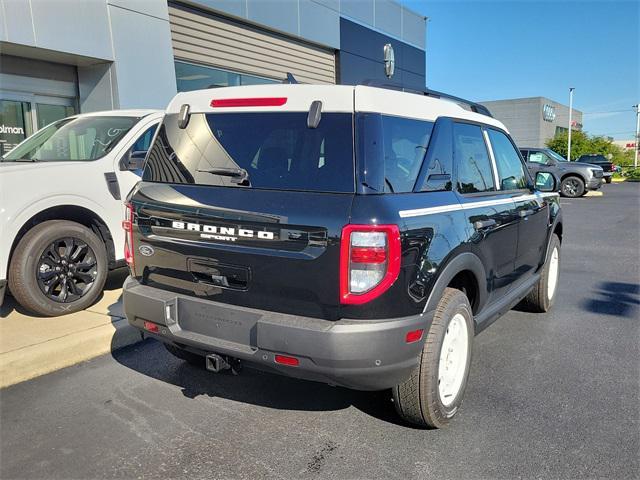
335, 98
119, 113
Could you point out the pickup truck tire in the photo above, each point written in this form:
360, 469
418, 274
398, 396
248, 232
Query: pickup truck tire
190, 358
58, 256
542, 297
423, 399
572, 187
608, 179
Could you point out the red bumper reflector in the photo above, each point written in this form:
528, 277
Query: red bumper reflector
151, 327
284, 360
414, 336
249, 102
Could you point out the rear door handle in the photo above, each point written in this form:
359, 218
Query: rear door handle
526, 213
480, 224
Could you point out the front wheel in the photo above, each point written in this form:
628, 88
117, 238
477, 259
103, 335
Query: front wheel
572, 187
433, 393
58, 267
608, 179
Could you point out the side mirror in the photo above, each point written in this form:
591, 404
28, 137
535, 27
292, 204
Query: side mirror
546, 182
132, 161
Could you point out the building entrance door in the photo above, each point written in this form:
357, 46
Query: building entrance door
21, 115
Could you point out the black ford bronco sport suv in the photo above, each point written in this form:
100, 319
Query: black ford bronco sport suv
355, 236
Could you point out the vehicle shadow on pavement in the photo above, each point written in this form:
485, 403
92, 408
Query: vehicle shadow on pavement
614, 298
252, 386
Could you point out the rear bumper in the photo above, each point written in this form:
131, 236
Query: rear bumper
358, 354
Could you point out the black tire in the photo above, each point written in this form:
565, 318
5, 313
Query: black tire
417, 400
538, 300
189, 357
26, 276
608, 179
572, 187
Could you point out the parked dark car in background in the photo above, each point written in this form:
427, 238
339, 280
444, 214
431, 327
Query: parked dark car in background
607, 167
575, 179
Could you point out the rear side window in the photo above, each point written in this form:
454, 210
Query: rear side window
510, 169
472, 159
405, 145
256, 150
539, 157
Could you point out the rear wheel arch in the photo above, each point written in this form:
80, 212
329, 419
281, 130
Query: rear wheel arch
74, 213
464, 272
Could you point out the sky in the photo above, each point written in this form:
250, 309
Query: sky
492, 50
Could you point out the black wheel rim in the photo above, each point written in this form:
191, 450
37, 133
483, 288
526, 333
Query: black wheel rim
571, 188
67, 270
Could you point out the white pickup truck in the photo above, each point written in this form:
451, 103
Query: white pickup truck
61, 207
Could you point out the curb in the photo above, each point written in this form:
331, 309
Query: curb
36, 360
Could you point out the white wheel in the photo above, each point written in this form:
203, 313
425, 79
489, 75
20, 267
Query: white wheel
453, 360
554, 262
433, 394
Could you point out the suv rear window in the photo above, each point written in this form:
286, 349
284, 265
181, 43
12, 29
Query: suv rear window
276, 150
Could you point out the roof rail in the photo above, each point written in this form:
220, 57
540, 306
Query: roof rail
473, 106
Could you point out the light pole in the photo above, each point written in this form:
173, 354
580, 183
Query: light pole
637, 142
571, 89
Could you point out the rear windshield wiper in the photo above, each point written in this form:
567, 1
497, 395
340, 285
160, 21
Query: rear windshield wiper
240, 175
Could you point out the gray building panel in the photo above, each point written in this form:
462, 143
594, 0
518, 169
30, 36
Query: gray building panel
281, 15
319, 23
16, 20
414, 28
152, 8
145, 75
359, 10
96, 86
332, 4
388, 17
81, 28
524, 119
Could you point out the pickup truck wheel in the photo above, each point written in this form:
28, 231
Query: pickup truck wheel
608, 179
58, 267
189, 357
542, 297
433, 393
572, 187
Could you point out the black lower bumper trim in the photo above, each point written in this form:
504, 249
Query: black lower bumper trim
358, 354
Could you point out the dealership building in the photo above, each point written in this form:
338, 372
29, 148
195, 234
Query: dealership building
63, 57
533, 121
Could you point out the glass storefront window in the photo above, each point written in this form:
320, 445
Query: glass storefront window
15, 123
196, 77
50, 113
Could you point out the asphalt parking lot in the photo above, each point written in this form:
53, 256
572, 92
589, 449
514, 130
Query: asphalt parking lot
550, 396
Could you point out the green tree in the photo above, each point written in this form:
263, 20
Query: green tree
584, 144
579, 144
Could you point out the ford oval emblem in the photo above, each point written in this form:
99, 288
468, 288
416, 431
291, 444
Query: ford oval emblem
146, 250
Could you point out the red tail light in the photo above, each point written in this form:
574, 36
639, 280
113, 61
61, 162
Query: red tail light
369, 261
127, 225
249, 102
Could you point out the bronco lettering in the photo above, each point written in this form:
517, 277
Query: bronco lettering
222, 233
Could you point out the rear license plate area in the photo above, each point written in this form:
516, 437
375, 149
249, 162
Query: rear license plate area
218, 322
